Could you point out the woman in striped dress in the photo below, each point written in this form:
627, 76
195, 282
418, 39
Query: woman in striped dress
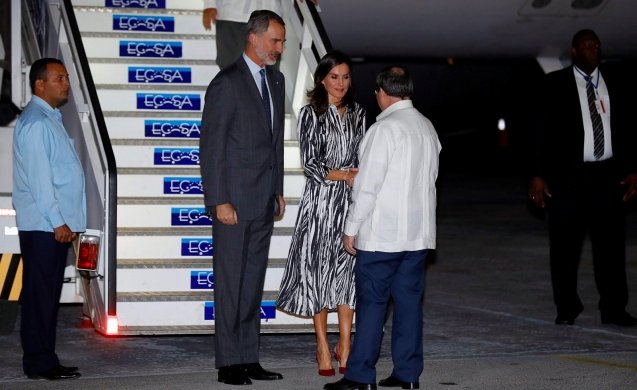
319, 274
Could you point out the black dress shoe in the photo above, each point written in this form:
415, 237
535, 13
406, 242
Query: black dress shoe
392, 381
346, 384
55, 373
256, 372
559, 320
234, 374
619, 319
67, 369
569, 317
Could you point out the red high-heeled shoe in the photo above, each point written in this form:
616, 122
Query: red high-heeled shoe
341, 370
327, 371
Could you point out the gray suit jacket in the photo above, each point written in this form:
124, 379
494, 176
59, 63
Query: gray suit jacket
241, 159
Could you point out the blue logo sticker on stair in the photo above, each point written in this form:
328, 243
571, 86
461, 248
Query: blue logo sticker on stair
163, 49
143, 23
152, 74
179, 128
183, 186
189, 216
268, 310
136, 3
209, 311
176, 156
202, 280
191, 246
168, 101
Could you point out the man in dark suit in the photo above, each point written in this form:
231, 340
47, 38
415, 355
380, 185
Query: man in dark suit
242, 169
585, 169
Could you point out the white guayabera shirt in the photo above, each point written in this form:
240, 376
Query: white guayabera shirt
394, 196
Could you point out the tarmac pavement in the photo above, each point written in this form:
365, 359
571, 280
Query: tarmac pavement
488, 318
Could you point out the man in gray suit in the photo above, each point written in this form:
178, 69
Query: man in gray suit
241, 150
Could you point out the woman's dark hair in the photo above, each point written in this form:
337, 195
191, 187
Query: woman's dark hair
318, 95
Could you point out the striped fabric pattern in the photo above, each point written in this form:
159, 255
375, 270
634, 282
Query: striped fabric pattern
319, 273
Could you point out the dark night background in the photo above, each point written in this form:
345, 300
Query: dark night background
465, 99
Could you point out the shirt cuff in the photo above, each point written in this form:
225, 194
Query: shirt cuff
56, 220
351, 228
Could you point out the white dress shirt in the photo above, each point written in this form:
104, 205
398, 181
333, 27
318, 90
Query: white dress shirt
393, 205
240, 10
255, 70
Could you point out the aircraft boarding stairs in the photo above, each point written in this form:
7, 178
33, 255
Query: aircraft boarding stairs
151, 67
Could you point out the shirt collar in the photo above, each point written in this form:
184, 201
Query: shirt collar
55, 112
402, 104
583, 74
254, 68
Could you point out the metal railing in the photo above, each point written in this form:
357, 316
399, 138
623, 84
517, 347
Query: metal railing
307, 42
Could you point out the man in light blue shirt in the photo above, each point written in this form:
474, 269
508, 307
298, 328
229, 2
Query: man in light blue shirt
50, 203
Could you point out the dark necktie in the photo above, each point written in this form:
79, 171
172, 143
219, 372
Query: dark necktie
265, 95
596, 119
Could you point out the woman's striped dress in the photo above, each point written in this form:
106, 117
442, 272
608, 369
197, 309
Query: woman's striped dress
319, 274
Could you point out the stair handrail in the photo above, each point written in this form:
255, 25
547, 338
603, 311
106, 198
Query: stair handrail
306, 30
110, 225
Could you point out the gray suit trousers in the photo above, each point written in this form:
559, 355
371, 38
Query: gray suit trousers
240, 262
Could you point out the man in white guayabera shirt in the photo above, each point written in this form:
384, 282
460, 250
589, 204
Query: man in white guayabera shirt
391, 226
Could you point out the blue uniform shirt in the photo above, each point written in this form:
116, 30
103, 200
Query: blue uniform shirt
48, 180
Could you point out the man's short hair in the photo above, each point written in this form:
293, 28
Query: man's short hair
260, 21
580, 35
395, 81
39, 70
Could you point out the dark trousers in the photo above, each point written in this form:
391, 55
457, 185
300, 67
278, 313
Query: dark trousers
231, 41
590, 202
239, 263
380, 275
44, 260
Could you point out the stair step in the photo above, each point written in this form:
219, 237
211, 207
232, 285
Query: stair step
152, 76
178, 214
181, 263
159, 22
144, 46
147, 156
193, 242
143, 4
210, 329
167, 126
199, 280
150, 101
183, 313
172, 181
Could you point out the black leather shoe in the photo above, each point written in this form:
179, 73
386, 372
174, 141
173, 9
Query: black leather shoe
234, 374
346, 384
256, 372
392, 381
67, 369
559, 320
619, 319
569, 317
55, 373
